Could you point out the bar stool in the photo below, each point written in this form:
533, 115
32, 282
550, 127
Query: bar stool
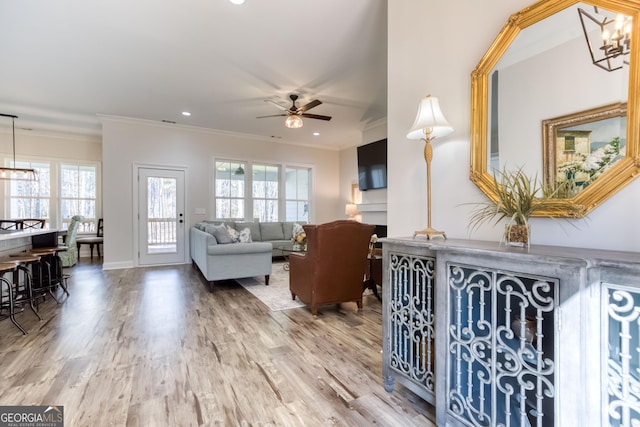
6, 298
25, 263
50, 274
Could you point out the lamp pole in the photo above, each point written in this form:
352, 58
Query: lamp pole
430, 232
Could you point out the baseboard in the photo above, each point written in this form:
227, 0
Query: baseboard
117, 265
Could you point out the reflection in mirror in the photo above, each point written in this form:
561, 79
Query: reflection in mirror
542, 66
546, 72
578, 148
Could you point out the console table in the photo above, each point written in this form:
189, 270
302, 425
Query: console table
495, 335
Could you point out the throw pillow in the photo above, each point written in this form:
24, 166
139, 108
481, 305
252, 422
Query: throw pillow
245, 236
235, 235
253, 226
220, 233
297, 229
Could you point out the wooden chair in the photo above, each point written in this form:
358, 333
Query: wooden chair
93, 241
28, 223
10, 224
333, 268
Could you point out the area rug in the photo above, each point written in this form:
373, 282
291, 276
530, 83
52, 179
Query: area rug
276, 296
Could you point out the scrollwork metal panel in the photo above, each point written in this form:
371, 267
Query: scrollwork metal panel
501, 335
622, 326
411, 325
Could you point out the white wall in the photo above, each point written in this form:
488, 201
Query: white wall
349, 171
433, 47
127, 142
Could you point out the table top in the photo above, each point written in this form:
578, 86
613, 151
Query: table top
291, 249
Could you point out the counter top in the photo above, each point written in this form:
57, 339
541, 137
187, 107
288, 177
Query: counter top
16, 234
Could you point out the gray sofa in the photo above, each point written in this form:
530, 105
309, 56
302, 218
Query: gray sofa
221, 260
217, 261
279, 234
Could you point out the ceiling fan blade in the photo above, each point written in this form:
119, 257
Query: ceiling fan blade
273, 115
315, 116
281, 107
309, 106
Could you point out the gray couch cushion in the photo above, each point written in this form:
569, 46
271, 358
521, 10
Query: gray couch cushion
271, 231
240, 248
254, 227
220, 233
287, 227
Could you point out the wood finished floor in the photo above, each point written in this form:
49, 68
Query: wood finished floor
151, 347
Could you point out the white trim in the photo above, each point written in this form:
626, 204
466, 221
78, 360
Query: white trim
117, 265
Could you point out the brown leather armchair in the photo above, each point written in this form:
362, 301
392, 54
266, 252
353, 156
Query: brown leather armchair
332, 270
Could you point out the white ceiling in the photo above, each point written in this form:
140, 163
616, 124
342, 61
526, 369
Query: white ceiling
66, 62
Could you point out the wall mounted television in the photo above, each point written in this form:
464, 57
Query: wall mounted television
372, 165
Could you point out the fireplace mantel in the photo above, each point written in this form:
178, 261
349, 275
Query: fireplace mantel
373, 213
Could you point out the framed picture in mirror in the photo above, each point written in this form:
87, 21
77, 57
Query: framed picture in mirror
579, 147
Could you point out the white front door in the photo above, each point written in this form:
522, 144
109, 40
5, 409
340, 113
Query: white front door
161, 225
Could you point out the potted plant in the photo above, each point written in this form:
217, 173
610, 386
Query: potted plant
519, 197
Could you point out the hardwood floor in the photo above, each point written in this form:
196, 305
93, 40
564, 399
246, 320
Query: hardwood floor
152, 347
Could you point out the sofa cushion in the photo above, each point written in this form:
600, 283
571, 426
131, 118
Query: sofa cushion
253, 227
245, 236
220, 233
287, 228
250, 248
271, 231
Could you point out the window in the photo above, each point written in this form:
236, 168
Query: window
265, 180
63, 189
297, 182
276, 191
229, 190
78, 194
569, 143
31, 199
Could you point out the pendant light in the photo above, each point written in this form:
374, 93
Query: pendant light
14, 173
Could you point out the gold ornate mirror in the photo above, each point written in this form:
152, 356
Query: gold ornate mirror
541, 75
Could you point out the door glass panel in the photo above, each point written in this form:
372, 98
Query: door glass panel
161, 215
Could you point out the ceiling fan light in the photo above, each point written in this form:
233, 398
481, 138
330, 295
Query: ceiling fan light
293, 122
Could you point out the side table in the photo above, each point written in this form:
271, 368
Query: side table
373, 277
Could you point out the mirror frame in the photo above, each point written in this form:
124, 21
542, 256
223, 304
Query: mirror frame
622, 172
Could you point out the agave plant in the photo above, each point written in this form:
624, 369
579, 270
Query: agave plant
519, 197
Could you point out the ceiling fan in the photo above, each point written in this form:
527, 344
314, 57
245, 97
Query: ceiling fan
294, 113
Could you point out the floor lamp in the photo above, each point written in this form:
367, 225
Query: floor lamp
429, 124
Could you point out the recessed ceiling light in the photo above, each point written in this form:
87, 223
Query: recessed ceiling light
316, 134
237, 1
186, 113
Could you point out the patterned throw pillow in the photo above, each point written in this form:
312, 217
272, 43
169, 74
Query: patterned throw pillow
297, 229
235, 235
245, 236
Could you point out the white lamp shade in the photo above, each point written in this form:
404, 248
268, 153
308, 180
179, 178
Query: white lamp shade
429, 117
351, 209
